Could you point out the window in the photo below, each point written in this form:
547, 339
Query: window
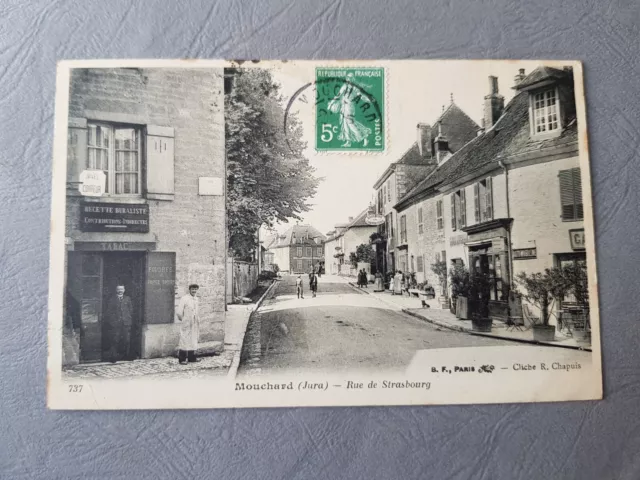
380, 201
389, 191
384, 193
483, 200
571, 195
389, 224
439, 216
420, 264
309, 251
299, 265
320, 252
420, 221
299, 252
545, 112
403, 229
458, 210
115, 151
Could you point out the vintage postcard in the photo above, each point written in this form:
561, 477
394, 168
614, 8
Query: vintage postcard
316, 233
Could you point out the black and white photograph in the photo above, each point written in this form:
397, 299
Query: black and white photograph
311, 233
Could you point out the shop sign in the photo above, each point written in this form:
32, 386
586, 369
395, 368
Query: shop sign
114, 246
577, 239
92, 183
457, 240
524, 253
114, 217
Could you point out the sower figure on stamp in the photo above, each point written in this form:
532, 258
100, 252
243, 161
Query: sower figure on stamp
116, 335
189, 317
351, 130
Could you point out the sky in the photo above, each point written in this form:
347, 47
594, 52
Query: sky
417, 92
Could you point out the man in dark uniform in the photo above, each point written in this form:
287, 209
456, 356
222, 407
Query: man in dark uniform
116, 332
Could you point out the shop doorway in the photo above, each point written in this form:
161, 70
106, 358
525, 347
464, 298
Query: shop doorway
92, 279
126, 269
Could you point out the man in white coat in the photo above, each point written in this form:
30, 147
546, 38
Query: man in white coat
190, 326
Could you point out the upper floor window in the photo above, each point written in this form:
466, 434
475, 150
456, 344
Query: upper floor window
544, 110
420, 221
403, 229
389, 224
309, 251
439, 215
384, 193
116, 151
380, 201
483, 200
299, 252
389, 191
320, 252
458, 209
571, 195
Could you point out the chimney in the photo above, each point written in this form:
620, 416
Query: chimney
519, 77
424, 140
441, 145
493, 104
350, 219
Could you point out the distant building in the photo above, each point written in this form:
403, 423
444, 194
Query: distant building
298, 249
343, 240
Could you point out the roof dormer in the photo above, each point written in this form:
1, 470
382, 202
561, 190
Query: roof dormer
551, 100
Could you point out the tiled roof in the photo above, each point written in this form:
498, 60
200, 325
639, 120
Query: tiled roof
457, 126
542, 74
509, 136
286, 238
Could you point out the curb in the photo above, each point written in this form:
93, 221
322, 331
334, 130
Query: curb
235, 362
492, 335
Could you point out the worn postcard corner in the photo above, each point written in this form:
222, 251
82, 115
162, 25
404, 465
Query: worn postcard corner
313, 233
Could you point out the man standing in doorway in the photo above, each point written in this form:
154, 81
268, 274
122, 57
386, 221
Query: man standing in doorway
117, 327
188, 315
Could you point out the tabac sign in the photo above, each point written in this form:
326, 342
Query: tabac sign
114, 217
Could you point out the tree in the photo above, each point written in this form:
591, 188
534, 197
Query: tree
268, 178
543, 288
364, 253
440, 270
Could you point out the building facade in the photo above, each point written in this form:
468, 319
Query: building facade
299, 249
510, 200
157, 136
343, 241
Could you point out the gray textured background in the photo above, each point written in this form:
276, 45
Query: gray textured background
598, 440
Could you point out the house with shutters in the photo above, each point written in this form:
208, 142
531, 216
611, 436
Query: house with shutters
510, 200
298, 249
433, 145
343, 240
157, 222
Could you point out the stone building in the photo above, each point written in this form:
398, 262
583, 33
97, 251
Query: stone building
298, 249
157, 136
343, 240
434, 144
510, 200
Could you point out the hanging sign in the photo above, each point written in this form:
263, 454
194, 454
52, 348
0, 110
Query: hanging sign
92, 183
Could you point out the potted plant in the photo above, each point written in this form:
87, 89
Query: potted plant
541, 290
479, 288
459, 280
578, 285
440, 270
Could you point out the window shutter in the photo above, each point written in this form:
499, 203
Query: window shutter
463, 209
476, 201
453, 212
76, 153
160, 163
577, 193
489, 199
566, 194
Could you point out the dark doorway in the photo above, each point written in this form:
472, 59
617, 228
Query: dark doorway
126, 269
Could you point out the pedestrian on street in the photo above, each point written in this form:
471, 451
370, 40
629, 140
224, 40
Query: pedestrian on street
299, 287
391, 285
116, 335
189, 317
313, 284
398, 283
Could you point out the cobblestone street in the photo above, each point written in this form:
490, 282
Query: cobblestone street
155, 367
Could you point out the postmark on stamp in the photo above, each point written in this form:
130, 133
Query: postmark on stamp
350, 109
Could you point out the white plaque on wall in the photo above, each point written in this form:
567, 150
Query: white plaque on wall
210, 186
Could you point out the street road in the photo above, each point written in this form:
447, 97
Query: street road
342, 329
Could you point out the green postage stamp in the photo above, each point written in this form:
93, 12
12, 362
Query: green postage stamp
350, 109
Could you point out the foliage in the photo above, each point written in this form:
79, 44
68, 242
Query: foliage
267, 275
377, 237
543, 288
365, 253
440, 270
479, 292
459, 280
578, 283
353, 259
268, 178
275, 268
